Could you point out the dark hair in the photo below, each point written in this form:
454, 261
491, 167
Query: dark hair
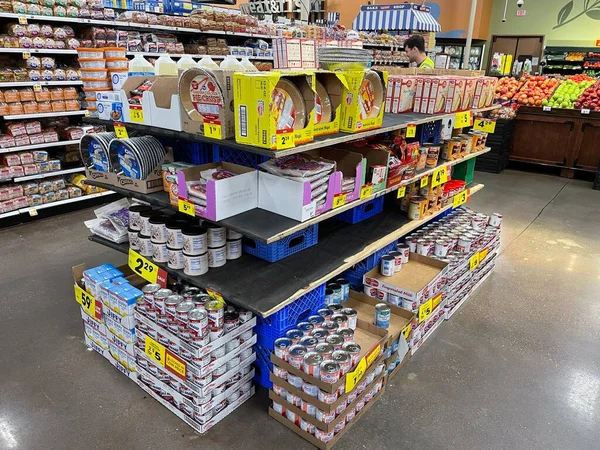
416, 40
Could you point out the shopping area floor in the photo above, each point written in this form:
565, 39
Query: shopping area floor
517, 367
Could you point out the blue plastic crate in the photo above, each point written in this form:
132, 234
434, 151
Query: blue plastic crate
362, 212
359, 269
429, 133
274, 326
239, 157
194, 152
283, 248
263, 366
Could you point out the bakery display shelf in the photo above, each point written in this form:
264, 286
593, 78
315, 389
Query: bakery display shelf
368, 44
47, 51
80, 112
265, 287
391, 122
268, 227
48, 174
35, 146
11, 84
179, 55
119, 23
9, 214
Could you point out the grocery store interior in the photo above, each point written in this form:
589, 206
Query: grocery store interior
399, 252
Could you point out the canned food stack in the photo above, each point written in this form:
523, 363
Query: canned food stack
183, 244
419, 202
310, 363
212, 344
337, 291
112, 334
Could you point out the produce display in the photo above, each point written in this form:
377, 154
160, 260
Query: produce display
567, 93
507, 88
590, 98
536, 89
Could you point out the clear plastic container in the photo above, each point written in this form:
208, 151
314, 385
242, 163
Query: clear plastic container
89, 103
93, 112
92, 63
115, 52
232, 63
94, 73
91, 53
164, 65
117, 63
140, 66
96, 83
186, 62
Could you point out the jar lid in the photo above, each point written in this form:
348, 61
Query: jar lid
175, 224
139, 208
149, 213
193, 230
159, 219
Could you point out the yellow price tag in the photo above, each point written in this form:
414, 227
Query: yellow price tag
401, 192
462, 119
440, 176
87, 302
87, 113
425, 310
37, 87
460, 198
411, 130
474, 261
213, 130
33, 212
121, 131
366, 191
486, 125
339, 200
352, 378
406, 331
136, 115
26, 55
146, 269
285, 140
186, 207
22, 20
424, 181
156, 351
436, 301
482, 254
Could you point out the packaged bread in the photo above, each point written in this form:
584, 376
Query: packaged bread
48, 197
72, 105
35, 10
11, 96
26, 94
21, 74
33, 62
44, 106
30, 107
29, 169
6, 75
21, 141
31, 187
16, 171
34, 74
37, 138
33, 126
46, 31
15, 108
37, 42
57, 93
16, 29
48, 63
40, 155
58, 105
3, 109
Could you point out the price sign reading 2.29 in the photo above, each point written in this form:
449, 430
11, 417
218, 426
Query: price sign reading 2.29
146, 269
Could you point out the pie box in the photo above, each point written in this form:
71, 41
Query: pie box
419, 280
312, 439
341, 417
439, 95
404, 94
334, 83
456, 93
389, 95
371, 340
351, 121
226, 197
348, 163
468, 100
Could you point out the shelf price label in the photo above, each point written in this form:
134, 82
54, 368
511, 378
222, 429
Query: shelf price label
486, 125
165, 358
411, 130
436, 301
88, 303
285, 140
366, 191
424, 181
401, 192
425, 310
186, 207
482, 254
352, 378
26, 55
22, 20
585, 111
440, 176
136, 115
474, 261
339, 200
213, 130
121, 131
462, 119
460, 199
37, 87
146, 269
546, 108
33, 212
406, 331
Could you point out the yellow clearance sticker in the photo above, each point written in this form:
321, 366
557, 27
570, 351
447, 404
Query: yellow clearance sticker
186, 207
373, 355
460, 199
440, 176
486, 125
26, 55
37, 87
425, 310
352, 378
424, 181
22, 20
136, 115
285, 140
339, 200
401, 192
411, 130
366, 191
121, 131
87, 302
213, 130
156, 351
474, 261
462, 119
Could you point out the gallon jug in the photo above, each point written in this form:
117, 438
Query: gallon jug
140, 66
165, 66
231, 63
248, 66
186, 62
207, 63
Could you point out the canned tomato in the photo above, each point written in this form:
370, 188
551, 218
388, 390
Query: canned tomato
311, 363
294, 335
340, 319
308, 408
325, 313
201, 361
353, 350
202, 380
217, 353
246, 353
279, 372
182, 310
319, 334
161, 319
310, 389
233, 363
186, 391
245, 316
324, 349
465, 243
216, 311
325, 417
347, 334
305, 425
329, 326
293, 399
200, 341
327, 397
189, 292
140, 305
330, 371
185, 353
411, 241
279, 390
162, 339
335, 340
231, 321
159, 299
148, 291
281, 348
305, 327
352, 316
309, 342
215, 333
183, 331
198, 322
296, 356
397, 260
382, 295
382, 315
277, 407
442, 247
246, 335
172, 325
219, 371
232, 344
495, 220
233, 397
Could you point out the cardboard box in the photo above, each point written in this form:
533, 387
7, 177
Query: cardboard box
440, 96
226, 197
141, 113
353, 117
334, 83
162, 100
371, 340
389, 96
192, 121
456, 93
259, 123
469, 93
419, 280
404, 94
348, 164
105, 353
420, 83
374, 157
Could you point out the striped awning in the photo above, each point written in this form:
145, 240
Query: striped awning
395, 18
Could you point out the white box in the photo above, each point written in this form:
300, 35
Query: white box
115, 327
105, 353
162, 100
127, 322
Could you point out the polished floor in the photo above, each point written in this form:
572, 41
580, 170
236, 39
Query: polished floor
518, 367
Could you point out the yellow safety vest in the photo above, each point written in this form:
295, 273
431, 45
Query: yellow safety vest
427, 64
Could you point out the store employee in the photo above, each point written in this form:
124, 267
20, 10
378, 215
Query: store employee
415, 50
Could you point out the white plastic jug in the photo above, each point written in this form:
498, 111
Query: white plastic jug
164, 65
186, 62
248, 66
207, 63
140, 66
231, 63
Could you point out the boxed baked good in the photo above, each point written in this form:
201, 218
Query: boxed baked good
329, 87
351, 168
363, 103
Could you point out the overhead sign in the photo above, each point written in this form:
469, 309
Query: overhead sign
395, 7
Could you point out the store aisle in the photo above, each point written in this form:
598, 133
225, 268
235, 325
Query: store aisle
517, 367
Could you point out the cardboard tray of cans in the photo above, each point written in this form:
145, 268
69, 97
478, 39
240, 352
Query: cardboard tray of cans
423, 330
318, 442
192, 408
120, 367
200, 428
367, 335
327, 407
194, 351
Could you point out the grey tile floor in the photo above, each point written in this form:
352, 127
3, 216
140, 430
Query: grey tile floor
517, 367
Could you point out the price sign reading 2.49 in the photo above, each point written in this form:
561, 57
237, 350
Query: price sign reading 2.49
146, 269
285, 140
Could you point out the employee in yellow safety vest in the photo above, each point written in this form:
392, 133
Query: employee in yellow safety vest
415, 50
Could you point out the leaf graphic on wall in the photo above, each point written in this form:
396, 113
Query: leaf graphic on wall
564, 12
593, 14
